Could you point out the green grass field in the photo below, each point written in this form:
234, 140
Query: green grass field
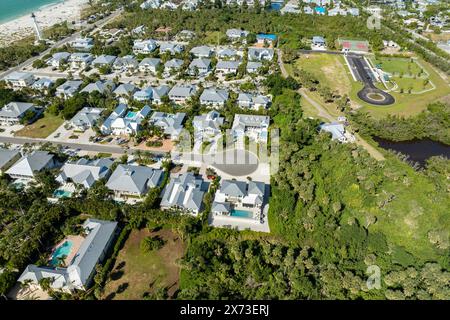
136, 273
42, 128
398, 66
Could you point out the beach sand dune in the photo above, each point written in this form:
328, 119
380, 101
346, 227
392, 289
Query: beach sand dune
69, 10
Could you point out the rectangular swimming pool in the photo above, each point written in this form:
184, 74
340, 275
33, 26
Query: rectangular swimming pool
61, 252
130, 114
241, 214
62, 193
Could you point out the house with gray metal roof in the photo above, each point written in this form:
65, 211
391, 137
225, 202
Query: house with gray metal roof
253, 66
159, 93
102, 86
229, 54
80, 60
85, 44
184, 193
98, 237
239, 199
58, 59
13, 112
68, 88
337, 131
172, 124
120, 111
85, 172
259, 54
180, 93
253, 126
30, 164
236, 34
104, 60
227, 66
199, 67
125, 64
86, 118
127, 123
19, 80
173, 65
170, 47
202, 51
144, 46
253, 101
214, 97
133, 181
125, 90
149, 65
8, 158
42, 84
207, 125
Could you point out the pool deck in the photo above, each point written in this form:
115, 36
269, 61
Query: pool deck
240, 223
76, 243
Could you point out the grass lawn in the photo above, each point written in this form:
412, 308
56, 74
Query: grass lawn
407, 104
396, 66
330, 69
212, 37
42, 128
416, 85
136, 273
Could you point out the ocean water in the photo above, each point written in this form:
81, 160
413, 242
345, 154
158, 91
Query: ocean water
11, 9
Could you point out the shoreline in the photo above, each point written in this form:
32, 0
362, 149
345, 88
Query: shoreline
46, 16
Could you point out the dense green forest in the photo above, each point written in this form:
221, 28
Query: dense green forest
432, 123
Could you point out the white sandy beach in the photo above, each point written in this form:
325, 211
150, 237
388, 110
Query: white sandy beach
69, 10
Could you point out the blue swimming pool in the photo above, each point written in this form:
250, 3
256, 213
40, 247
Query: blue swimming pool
241, 214
130, 114
60, 252
62, 193
276, 6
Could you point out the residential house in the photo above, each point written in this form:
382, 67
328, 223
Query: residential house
159, 93
199, 67
42, 84
144, 46
308, 10
229, 54
170, 47
253, 66
118, 112
253, 126
98, 237
85, 172
125, 64
180, 93
102, 86
184, 193
80, 60
207, 125
236, 34
129, 123
8, 158
266, 39
260, 54
172, 124
149, 65
68, 88
213, 97
255, 102
227, 67
234, 198
318, 43
125, 91
129, 181
82, 44
18, 80
202, 51
86, 118
150, 4
337, 131
173, 65
58, 59
104, 61
29, 165
12, 113
185, 35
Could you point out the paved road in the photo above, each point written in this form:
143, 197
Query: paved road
73, 145
98, 24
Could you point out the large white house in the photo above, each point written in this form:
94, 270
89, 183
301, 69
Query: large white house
98, 236
252, 126
85, 172
29, 165
123, 122
13, 112
144, 46
19, 80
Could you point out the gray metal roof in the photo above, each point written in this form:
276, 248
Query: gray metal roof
15, 109
134, 179
256, 187
154, 62
125, 89
30, 164
104, 60
201, 51
260, 53
225, 64
86, 117
221, 207
233, 188
182, 91
200, 63
184, 192
6, 156
213, 95
85, 171
100, 86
